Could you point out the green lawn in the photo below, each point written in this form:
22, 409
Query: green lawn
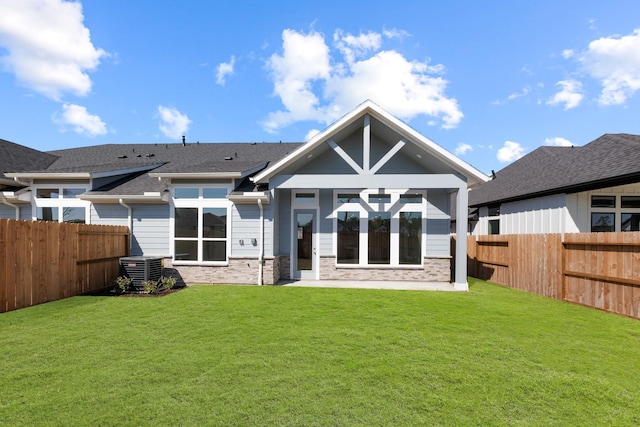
234, 355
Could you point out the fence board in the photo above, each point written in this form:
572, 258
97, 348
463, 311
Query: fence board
599, 270
39, 261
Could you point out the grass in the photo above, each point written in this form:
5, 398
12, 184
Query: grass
231, 355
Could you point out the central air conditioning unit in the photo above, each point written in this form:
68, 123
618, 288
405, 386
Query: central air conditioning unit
140, 269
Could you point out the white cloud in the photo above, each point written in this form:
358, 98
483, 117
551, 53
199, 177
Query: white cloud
313, 85
305, 59
395, 33
173, 124
463, 149
311, 134
615, 62
353, 47
225, 69
571, 94
49, 48
510, 151
82, 122
558, 141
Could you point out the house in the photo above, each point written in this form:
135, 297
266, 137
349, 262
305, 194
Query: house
593, 188
368, 198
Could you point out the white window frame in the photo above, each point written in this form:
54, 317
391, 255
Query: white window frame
364, 208
494, 218
617, 210
200, 203
60, 202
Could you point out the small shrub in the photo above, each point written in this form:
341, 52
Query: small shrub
123, 284
150, 286
168, 282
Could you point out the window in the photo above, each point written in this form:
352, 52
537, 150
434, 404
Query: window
615, 213
379, 237
348, 198
365, 221
603, 201
494, 220
47, 193
411, 198
630, 222
410, 237
200, 224
305, 197
60, 204
348, 234
379, 198
603, 221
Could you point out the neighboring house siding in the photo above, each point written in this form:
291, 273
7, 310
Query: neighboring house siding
558, 213
438, 225
540, 215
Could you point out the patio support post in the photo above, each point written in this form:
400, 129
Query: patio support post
462, 202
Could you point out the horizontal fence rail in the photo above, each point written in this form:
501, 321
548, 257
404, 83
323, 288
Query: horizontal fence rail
599, 270
45, 261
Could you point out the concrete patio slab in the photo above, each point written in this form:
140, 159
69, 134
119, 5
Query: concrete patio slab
372, 284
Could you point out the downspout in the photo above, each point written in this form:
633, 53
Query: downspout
129, 221
4, 201
261, 244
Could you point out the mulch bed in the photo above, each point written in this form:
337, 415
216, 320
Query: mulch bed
110, 292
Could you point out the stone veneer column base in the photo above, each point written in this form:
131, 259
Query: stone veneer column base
433, 270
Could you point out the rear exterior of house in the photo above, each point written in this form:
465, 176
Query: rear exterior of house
594, 188
367, 199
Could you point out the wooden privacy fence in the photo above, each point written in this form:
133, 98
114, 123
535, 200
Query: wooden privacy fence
45, 261
599, 270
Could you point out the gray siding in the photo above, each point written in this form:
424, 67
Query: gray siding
8, 212
150, 225
283, 198
109, 214
245, 226
150, 230
438, 225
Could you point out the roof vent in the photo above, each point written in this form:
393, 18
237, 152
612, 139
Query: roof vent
184, 140
151, 155
122, 157
228, 158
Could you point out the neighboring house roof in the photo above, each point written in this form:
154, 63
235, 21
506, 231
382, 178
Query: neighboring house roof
141, 165
18, 158
437, 159
612, 159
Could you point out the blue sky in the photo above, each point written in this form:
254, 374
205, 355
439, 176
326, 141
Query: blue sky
489, 81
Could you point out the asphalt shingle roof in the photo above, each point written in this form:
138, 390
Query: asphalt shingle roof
201, 157
18, 158
171, 158
610, 159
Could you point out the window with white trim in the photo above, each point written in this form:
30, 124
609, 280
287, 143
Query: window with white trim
493, 221
201, 220
374, 227
615, 213
60, 204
